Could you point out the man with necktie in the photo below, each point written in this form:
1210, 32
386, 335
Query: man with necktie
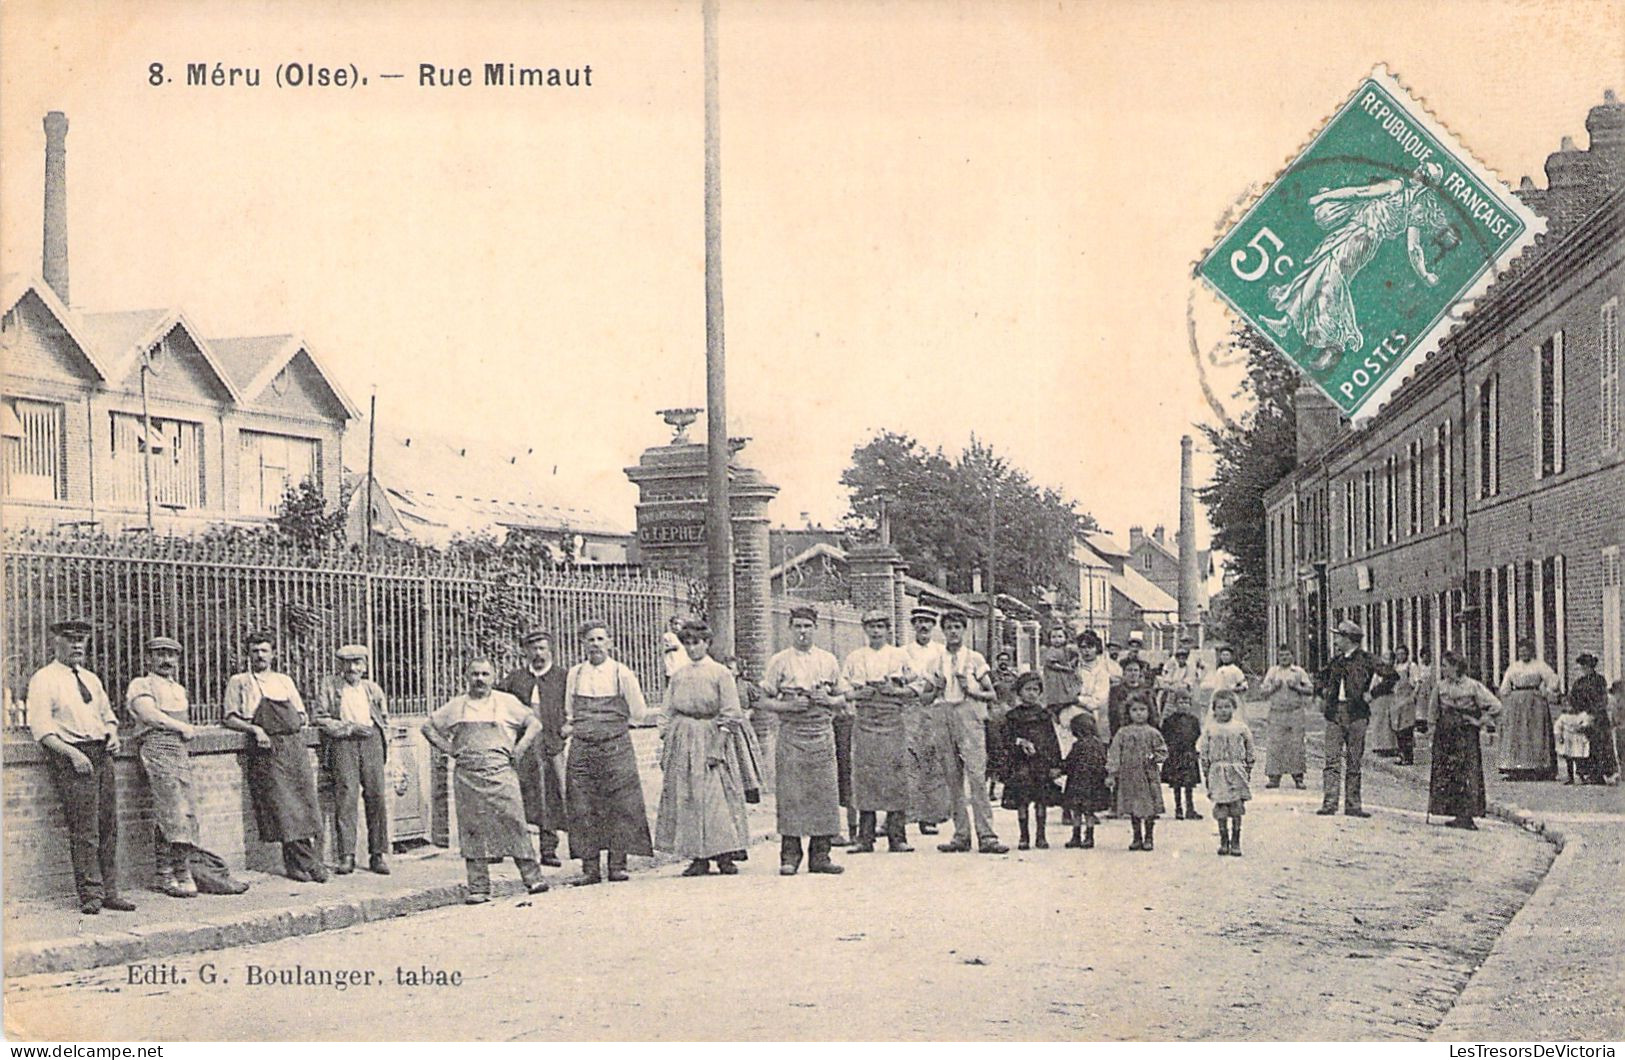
1344, 689
69, 714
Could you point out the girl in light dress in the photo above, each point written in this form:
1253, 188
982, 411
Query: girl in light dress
1569, 732
1226, 750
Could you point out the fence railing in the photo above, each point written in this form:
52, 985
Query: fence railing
423, 617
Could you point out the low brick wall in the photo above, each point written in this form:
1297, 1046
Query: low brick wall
36, 836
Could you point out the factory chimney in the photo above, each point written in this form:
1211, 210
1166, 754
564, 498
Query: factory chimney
1187, 538
55, 243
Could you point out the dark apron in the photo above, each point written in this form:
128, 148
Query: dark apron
490, 810
880, 759
280, 778
806, 792
169, 775
603, 795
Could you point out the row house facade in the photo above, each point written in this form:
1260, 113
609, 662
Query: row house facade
1485, 503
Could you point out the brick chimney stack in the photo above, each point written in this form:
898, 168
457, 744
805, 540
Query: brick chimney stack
1136, 535
55, 243
1318, 421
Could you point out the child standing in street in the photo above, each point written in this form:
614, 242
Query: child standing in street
1086, 793
1226, 751
1032, 757
1133, 763
1183, 770
1573, 747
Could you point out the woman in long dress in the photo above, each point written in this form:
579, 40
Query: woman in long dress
1288, 687
1318, 303
1589, 696
702, 800
1528, 749
1463, 709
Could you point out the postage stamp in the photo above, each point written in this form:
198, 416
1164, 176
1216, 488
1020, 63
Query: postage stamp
1370, 246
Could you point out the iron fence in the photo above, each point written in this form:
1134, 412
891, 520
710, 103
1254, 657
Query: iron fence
422, 616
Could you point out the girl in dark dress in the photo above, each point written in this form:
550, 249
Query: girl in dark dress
1086, 791
1183, 770
1465, 708
1033, 757
1589, 696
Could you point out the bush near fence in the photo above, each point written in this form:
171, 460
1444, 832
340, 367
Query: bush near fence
422, 616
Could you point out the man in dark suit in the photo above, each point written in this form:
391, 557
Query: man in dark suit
1343, 689
539, 684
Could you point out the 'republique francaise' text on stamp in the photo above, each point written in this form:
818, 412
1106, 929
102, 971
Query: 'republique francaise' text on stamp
1369, 246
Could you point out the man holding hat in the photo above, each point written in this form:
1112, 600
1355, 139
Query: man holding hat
158, 704
961, 714
354, 721
266, 706
1343, 688
803, 687
69, 715
539, 684
928, 801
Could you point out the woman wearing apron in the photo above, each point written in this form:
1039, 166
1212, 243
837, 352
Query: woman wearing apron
486, 732
266, 705
159, 706
1528, 749
1288, 687
602, 794
702, 796
1463, 709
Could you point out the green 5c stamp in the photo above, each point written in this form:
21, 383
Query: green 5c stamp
1370, 245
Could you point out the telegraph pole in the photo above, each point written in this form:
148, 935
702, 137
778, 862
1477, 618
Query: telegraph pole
718, 524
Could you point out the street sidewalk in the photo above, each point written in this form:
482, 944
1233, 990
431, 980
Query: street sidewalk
1556, 971
55, 937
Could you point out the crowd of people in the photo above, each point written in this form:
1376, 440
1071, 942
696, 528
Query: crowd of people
925, 733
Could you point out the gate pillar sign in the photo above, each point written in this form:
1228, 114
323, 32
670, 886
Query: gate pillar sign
671, 527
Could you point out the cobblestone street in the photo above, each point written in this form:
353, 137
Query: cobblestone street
1327, 928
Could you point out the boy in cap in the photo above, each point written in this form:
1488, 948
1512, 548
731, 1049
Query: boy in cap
353, 717
70, 717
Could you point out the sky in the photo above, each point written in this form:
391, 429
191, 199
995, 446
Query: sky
938, 218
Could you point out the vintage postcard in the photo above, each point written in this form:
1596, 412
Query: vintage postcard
803, 522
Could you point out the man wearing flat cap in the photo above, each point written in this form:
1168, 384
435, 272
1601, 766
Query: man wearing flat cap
882, 688
928, 748
69, 715
539, 684
159, 707
803, 687
353, 717
1344, 689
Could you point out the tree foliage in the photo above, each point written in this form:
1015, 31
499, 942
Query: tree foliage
938, 508
1252, 455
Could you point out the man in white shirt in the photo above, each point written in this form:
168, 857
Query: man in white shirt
602, 791
803, 686
928, 804
962, 713
353, 717
71, 718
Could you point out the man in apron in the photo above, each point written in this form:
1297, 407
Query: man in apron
485, 732
69, 715
803, 687
602, 792
159, 707
539, 684
928, 802
353, 716
267, 707
882, 687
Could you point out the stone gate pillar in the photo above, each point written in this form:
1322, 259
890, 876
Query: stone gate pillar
876, 572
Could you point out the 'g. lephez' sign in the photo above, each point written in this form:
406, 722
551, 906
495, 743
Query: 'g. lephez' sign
1366, 249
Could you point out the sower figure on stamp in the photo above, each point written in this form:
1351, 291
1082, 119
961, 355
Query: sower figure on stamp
159, 707
803, 687
962, 714
928, 803
602, 700
882, 689
485, 732
353, 717
1344, 690
70, 717
266, 705
539, 684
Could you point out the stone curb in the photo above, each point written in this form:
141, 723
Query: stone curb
1508, 812
223, 931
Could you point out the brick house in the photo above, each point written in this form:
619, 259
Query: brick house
1485, 502
1157, 563
1116, 599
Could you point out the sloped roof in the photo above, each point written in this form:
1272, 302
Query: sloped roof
253, 361
122, 335
1105, 545
16, 287
1142, 592
441, 487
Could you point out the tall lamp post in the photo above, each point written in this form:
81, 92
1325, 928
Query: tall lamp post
718, 524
